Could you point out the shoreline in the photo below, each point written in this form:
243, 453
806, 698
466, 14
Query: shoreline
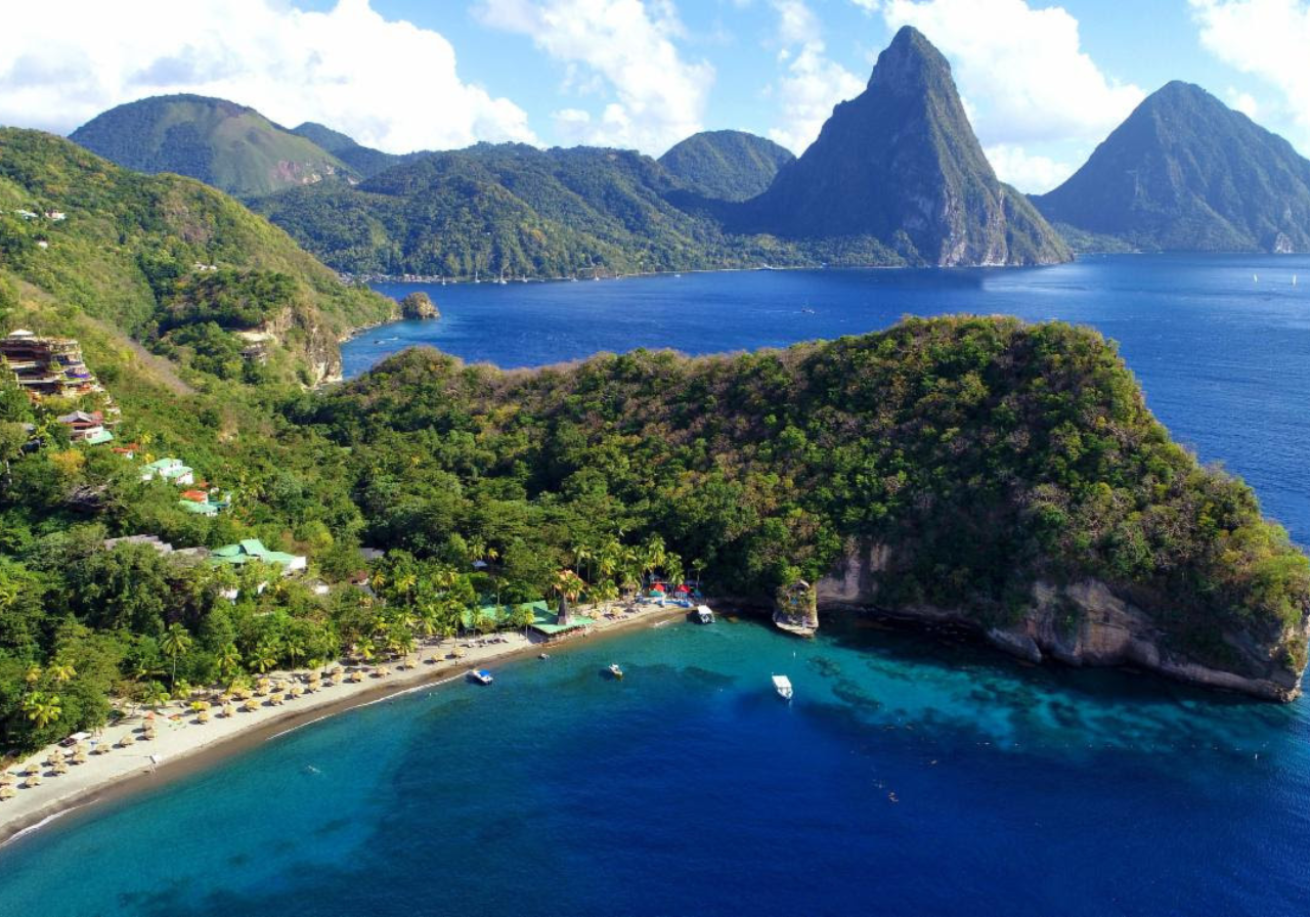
190, 747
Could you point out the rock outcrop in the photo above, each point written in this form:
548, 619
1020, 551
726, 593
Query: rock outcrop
418, 305
1079, 623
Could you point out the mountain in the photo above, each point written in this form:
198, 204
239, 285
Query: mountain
1186, 173
900, 163
365, 161
229, 146
726, 165
172, 264
516, 210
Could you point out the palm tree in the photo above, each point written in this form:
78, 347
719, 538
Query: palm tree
42, 709
229, 661
175, 643
698, 565
294, 650
266, 656
62, 671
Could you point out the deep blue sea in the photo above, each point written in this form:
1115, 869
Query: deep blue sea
915, 773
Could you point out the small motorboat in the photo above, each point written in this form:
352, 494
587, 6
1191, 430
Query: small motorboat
544, 656
481, 676
615, 671
782, 684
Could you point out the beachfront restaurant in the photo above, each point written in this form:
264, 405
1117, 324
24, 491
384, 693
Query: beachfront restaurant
546, 623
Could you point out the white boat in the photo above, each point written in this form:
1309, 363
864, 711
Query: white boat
782, 684
615, 671
481, 676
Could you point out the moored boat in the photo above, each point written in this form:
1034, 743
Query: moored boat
615, 671
481, 676
782, 684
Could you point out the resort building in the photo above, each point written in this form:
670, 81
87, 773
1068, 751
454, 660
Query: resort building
47, 366
252, 549
170, 469
86, 428
202, 503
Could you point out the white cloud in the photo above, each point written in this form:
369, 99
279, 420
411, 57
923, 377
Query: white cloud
1243, 102
386, 83
659, 97
1030, 174
811, 83
1269, 39
1022, 68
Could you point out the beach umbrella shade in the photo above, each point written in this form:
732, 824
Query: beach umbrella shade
7, 779
250, 706
228, 710
33, 780
337, 677
53, 757
276, 699
357, 676
32, 769
126, 740
102, 748
383, 671
79, 754
60, 766
7, 792
202, 716
296, 691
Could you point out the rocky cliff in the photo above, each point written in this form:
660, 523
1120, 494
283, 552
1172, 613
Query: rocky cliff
1086, 623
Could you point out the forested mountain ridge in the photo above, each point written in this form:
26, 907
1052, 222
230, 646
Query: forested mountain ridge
1186, 173
726, 165
229, 146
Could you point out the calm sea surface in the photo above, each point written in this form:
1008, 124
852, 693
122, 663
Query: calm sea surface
914, 773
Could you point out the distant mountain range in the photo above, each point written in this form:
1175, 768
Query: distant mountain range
896, 177
1186, 173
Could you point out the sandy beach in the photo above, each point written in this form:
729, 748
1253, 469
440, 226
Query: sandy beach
180, 739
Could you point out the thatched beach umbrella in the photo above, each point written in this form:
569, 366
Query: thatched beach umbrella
228, 711
126, 740
7, 792
60, 766
31, 770
33, 780
296, 691
251, 705
276, 698
382, 671
7, 779
338, 676
101, 748
79, 753
202, 717
262, 687
356, 676
53, 757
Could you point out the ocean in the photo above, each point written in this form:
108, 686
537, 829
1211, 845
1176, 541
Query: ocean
916, 772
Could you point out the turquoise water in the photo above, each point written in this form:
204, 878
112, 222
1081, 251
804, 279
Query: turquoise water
916, 773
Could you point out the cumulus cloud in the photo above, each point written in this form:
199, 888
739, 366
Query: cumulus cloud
386, 83
659, 98
1029, 173
811, 83
1023, 69
1024, 78
1269, 39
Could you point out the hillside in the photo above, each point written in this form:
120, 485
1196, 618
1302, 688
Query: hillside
511, 209
900, 164
1186, 173
726, 165
172, 263
1005, 475
228, 146
365, 161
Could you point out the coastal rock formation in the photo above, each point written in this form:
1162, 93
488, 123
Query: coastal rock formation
418, 305
797, 609
1083, 623
900, 164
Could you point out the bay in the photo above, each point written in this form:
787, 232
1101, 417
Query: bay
915, 773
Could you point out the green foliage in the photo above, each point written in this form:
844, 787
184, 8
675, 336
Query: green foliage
223, 144
726, 165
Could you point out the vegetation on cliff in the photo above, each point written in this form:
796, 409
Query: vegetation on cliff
726, 165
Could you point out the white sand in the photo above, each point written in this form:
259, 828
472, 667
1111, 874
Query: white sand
175, 740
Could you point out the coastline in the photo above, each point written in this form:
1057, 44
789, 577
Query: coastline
190, 747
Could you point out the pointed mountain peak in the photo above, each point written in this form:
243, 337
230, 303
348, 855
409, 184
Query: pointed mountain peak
911, 61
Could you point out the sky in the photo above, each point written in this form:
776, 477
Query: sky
1042, 83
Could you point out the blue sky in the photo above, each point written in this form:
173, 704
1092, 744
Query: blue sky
1043, 82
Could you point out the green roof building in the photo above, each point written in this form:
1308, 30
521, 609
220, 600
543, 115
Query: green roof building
244, 552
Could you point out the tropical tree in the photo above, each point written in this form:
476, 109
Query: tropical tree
267, 654
229, 660
175, 644
42, 709
62, 671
